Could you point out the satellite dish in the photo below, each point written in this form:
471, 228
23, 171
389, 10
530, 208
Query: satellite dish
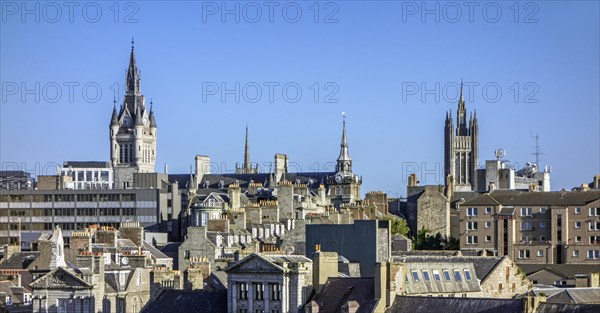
124, 260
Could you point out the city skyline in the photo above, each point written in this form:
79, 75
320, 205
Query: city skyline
393, 129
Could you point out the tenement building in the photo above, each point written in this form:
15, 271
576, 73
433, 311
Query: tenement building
534, 227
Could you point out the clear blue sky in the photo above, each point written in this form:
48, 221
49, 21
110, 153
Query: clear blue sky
374, 52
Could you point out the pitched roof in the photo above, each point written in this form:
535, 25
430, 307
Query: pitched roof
565, 270
571, 295
568, 308
483, 265
339, 291
416, 304
516, 197
183, 301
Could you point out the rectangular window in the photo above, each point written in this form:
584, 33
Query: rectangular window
242, 291
524, 254
488, 210
594, 211
471, 240
447, 275
593, 254
594, 225
577, 238
594, 240
467, 275
259, 291
457, 275
526, 226
426, 276
488, 238
415, 276
471, 211
576, 253
436, 275
577, 225
542, 238
471, 225
488, 224
526, 211
577, 210
540, 253
543, 210
542, 224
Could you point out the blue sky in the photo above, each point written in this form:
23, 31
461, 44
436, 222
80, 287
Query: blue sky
368, 56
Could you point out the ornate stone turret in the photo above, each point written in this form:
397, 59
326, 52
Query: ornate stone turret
57, 259
132, 131
461, 147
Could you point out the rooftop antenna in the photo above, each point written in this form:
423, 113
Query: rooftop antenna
538, 150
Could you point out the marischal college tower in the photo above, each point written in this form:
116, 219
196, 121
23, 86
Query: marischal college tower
461, 148
132, 131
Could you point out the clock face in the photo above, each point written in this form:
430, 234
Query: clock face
126, 121
338, 178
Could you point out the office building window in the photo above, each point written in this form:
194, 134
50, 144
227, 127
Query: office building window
426, 276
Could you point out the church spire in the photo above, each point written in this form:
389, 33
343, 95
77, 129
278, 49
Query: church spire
133, 74
344, 162
246, 152
461, 114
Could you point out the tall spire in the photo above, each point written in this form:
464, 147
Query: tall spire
461, 114
133, 74
344, 162
247, 152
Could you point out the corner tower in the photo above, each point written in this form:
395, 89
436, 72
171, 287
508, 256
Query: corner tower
132, 131
461, 148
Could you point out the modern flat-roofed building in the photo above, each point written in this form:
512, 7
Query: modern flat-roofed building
155, 204
16, 180
88, 174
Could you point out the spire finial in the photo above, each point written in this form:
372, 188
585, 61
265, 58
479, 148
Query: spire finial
132, 43
115, 101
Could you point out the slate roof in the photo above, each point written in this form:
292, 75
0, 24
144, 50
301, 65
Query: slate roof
572, 295
338, 291
182, 179
415, 304
313, 179
483, 265
566, 270
183, 301
19, 260
568, 308
518, 198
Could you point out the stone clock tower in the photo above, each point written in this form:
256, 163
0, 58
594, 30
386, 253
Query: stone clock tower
344, 186
132, 131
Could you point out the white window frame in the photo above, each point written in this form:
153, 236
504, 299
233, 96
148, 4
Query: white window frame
540, 253
575, 253
472, 211
524, 254
593, 254
578, 225
526, 211
543, 224
488, 224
